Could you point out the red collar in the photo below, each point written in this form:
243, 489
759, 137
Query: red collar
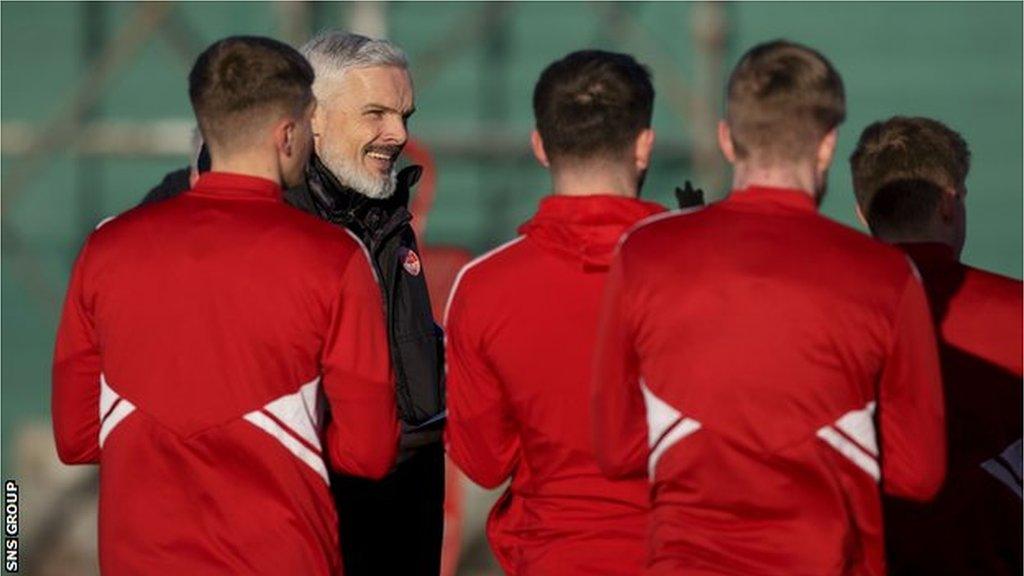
786, 197
586, 228
595, 209
226, 184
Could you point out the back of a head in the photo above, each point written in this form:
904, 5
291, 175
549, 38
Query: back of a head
903, 148
240, 84
905, 210
782, 99
592, 104
333, 52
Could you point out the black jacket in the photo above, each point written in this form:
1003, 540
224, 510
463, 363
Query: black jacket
383, 226
417, 342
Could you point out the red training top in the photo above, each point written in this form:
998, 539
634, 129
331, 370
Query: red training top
198, 339
973, 526
743, 352
521, 326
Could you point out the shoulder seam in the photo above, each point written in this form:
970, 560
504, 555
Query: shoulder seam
105, 221
912, 277
471, 264
366, 253
657, 218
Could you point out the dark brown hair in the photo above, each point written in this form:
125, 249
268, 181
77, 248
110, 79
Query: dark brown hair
239, 80
905, 147
782, 99
592, 103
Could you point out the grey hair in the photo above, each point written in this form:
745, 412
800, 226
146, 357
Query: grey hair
333, 52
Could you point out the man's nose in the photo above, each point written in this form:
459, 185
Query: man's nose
395, 131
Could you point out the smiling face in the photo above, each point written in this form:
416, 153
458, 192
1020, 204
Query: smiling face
360, 127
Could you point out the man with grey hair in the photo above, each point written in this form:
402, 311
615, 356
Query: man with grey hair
364, 100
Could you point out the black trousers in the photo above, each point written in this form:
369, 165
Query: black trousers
394, 526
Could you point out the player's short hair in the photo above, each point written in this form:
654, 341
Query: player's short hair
592, 103
904, 208
908, 148
240, 82
334, 52
782, 99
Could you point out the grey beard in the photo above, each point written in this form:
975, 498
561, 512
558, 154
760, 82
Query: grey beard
361, 182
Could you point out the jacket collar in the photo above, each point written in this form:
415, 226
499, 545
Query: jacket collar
231, 185
586, 228
341, 204
789, 198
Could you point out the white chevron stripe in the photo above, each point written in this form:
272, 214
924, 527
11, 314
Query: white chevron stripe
851, 451
107, 396
301, 411
660, 417
300, 451
107, 399
686, 427
121, 411
860, 426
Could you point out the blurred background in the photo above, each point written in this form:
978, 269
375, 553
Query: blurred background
95, 112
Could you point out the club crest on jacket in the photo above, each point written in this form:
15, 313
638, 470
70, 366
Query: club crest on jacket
410, 261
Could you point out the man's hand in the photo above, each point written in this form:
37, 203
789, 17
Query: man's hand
689, 197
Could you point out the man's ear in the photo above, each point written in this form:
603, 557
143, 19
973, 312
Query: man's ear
284, 136
725, 142
537, 143
827, 150
948, 205
644, 148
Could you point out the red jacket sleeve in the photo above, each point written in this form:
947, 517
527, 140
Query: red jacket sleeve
481, 434
617, 406
362, 437
911, 409
75, 402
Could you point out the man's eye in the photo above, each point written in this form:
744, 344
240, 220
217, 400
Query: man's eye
375, 113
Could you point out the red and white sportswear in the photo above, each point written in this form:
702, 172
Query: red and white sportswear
973, 526
199, 338
520, 329
767, 368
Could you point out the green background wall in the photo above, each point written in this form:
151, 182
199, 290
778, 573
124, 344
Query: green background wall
474, 67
